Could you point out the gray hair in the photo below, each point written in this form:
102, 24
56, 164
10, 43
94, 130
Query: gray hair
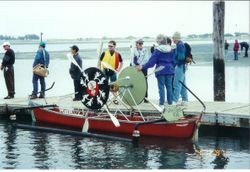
161, 39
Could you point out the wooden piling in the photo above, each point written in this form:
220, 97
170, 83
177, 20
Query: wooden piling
218, 56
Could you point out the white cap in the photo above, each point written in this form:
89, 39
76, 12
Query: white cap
6, 44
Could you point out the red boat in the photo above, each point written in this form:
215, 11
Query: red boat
131, 88
184, 127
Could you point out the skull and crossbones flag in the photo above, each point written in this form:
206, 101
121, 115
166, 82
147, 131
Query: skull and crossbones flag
95, 88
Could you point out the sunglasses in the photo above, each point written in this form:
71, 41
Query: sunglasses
110, 46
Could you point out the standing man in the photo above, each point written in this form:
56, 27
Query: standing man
246, 46
112, 58
140, 57
41, 57
8, 70
180, 70
226, 45
76, 73
236, 49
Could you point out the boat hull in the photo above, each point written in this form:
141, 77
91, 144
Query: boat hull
178, 129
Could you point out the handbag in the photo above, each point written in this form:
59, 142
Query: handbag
40, 69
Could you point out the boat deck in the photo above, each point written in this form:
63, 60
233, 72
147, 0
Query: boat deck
217, 113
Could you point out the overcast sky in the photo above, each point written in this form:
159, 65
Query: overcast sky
74, 19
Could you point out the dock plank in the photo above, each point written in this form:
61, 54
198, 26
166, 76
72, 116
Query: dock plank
224, 113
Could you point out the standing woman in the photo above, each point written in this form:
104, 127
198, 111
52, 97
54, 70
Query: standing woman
8, 70
76, 73
236, 49
163, 55
41, 57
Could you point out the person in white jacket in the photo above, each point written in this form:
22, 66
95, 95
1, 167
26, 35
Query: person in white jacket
141, 57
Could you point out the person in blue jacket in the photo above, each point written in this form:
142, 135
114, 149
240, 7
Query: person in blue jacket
163, 55
180, 70
76, 73
41, 57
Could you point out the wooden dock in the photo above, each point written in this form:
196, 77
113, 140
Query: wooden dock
217, 113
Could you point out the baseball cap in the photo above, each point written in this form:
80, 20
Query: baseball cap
74, 47
6, 44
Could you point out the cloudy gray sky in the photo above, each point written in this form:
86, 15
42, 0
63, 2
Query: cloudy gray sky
73, 19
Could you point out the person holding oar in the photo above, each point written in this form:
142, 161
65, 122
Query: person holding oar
111, 63
76, 73
163, 55
114, 59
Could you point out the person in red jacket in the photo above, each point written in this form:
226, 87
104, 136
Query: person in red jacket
236, 49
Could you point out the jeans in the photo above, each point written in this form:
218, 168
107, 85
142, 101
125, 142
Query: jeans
110, 75
165, 81
35, 84
236, 55
178, 88
226, 53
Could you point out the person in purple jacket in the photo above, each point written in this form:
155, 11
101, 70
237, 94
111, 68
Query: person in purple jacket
163, 55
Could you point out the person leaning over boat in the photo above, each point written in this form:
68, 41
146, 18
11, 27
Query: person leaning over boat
42, 57
76, 73
163, 55
114, 59
8, 70
141, 57
180, 70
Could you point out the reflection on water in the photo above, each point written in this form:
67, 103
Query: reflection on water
28, 150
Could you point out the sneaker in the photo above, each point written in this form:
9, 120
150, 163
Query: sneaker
9, 97
41, 96
174, 104
33, 96
76, 99
184, 103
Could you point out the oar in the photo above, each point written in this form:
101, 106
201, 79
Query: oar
108, 66
85, 127
155, 106
72, 60
114, 119
156, 70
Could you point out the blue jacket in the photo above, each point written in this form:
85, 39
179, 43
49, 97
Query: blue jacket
162, 56
40, 59
74, 71
180, 53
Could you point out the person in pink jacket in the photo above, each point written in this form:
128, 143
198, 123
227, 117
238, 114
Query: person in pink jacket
236, 49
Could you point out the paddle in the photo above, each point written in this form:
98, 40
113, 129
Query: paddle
155, 106
106, 65
71, 59
156, 70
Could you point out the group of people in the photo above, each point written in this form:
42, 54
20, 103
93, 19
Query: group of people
170, 58
236, 48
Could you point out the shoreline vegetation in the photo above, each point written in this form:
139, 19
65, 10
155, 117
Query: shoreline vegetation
33, 38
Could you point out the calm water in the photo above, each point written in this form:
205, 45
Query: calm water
21, 149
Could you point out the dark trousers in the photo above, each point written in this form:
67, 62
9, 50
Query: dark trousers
246, 49
78, 91
145, 72
9, 80
35, 84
